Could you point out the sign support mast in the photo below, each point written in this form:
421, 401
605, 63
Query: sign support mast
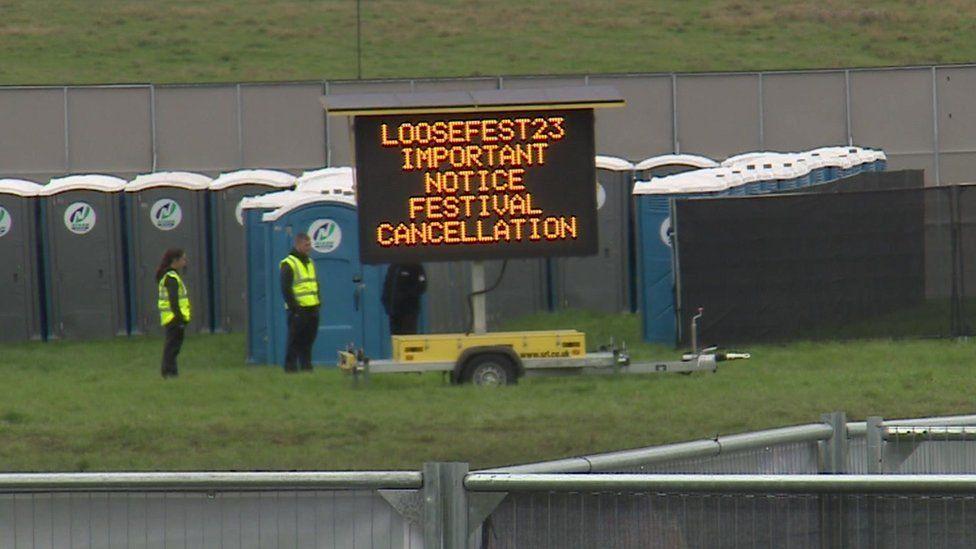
480, 322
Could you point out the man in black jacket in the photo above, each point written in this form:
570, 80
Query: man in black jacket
300, 288
402, 290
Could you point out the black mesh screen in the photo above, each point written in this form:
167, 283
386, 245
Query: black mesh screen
844, 260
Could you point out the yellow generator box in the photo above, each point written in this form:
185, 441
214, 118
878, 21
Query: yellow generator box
448, 347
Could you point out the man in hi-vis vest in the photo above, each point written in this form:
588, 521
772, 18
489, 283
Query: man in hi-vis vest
300, 288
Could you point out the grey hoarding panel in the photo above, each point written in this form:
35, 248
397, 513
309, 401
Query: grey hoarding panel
642, 128
957, 167
957, 110
20, 294
892, 110
86, 297
601, 282
340, 134
522, 82
465, 84
284, 126
804, 111
197, 128
109, 129
31, 131
718, 115
148, 240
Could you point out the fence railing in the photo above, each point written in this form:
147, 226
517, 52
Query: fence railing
749, 489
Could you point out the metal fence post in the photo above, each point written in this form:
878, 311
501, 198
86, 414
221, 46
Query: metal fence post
874, 455
834, 458
445, 506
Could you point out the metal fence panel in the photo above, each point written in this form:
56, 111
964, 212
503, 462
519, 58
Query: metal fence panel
197, 128
642, 519
792, 458
204, 520
448, 284
804, 111
109, 129
642, 128
718, 115
31, 131
283, 126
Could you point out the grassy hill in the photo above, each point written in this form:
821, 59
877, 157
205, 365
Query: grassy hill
73, 406
102, 41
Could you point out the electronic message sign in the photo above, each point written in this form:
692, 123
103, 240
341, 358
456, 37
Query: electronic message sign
475, 185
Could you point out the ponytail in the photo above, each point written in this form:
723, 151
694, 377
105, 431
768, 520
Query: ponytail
169, 257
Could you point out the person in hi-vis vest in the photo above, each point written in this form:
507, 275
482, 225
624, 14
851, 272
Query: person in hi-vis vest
300, 288
174, 306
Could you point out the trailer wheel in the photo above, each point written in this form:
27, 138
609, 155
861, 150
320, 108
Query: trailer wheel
490, 370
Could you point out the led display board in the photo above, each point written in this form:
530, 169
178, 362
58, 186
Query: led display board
475, 185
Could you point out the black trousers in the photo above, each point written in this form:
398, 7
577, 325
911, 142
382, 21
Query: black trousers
303, 326
404, 322
174, 342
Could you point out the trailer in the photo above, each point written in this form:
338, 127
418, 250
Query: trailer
501, 358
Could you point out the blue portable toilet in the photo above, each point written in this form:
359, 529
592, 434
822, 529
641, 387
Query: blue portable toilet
756, 168
790, 172
655, 257
351, 313
227, 265
838, 162
879, 160
258, 270
819, 170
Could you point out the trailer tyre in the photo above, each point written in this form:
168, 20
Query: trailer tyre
490, 370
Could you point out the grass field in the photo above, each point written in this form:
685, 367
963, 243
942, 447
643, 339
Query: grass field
61, 41
102, 406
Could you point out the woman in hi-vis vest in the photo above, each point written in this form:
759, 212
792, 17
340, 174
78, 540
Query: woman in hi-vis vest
174, 306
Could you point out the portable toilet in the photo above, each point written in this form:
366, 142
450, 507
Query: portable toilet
790, 172
817, 163
258, 269
655, 200
747, 158
879, 160
838, 162
21, 295
351, 311
603, 282
336, 180
669, 164
167, 210
227, 263
84, 254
